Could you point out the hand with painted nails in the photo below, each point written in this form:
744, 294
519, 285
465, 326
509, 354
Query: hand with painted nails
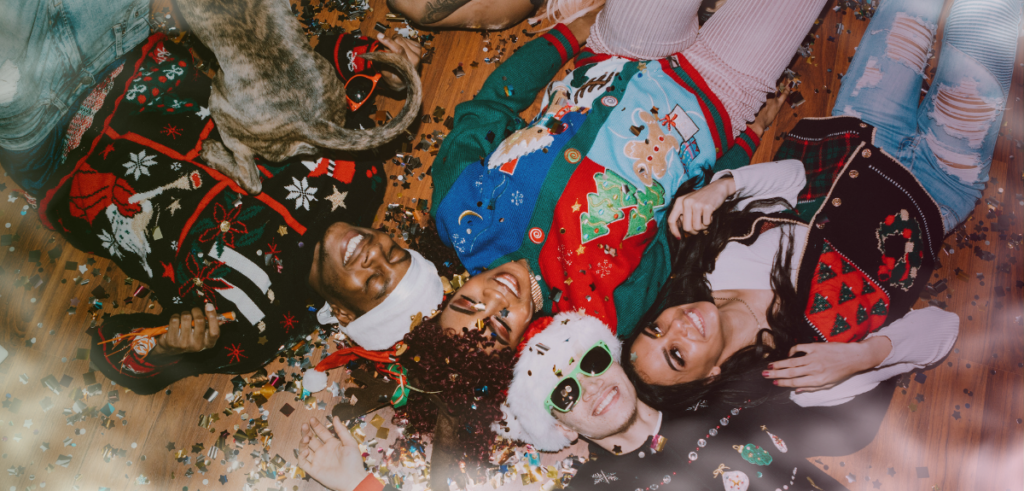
824, 365
189, 332
692, 212
334, 461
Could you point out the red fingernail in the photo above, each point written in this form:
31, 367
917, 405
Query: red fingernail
765, 373
775, 382
771, 367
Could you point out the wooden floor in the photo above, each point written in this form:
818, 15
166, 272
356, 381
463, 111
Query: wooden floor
953, 427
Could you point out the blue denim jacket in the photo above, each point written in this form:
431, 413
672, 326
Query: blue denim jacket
51, 53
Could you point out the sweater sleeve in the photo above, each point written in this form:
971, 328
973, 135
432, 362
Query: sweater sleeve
740, 153
482, 123
780, 179
117, 359
920, 338
370, 483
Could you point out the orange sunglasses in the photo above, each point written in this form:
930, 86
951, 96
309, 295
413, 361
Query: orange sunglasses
359, 88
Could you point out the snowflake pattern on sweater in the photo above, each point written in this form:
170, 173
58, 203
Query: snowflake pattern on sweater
144, 197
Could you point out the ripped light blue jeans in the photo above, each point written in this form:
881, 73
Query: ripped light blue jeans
51, 53
947, 140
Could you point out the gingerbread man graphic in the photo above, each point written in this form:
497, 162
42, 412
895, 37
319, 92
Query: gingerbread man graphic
650, 154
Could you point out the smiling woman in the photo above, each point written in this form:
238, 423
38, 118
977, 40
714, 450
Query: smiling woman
500, 301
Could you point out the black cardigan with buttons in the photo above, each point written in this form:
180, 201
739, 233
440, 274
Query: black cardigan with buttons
874, 232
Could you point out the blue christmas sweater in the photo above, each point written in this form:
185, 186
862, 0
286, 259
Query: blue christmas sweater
580, 191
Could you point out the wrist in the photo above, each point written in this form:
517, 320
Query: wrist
580, 31
877, 349
756, 128
727, 185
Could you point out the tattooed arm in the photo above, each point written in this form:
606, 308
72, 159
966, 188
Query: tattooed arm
439, 9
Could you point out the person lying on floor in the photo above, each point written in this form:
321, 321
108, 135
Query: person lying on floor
132, 188
568, 384
882, 181
564, 212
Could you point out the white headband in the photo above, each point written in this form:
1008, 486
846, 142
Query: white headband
419, 291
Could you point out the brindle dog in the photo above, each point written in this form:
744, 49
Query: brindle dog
273, 95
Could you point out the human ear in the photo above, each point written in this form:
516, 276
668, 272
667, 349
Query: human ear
715, 371
343, 314
566, 432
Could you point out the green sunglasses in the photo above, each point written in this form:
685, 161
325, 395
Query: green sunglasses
569, 390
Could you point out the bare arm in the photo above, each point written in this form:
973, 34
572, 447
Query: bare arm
467, 14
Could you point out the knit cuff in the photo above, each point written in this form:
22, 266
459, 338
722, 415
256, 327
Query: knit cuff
564, 41
921, 337
748, 141
369, 483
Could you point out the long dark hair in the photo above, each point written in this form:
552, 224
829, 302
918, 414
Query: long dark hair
693, 258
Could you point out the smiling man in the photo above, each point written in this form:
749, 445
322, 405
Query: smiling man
568, 384
134, 189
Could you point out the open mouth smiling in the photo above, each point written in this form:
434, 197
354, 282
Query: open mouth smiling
510, 283
352, 247
698, 321
611, 395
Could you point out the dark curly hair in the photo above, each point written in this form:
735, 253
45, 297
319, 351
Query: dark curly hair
468, 381
428, 243
693, 258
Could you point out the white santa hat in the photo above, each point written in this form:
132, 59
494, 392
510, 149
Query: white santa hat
568, 336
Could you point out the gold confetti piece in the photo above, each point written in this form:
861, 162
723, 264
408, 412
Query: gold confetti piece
382, 433
416, 321
377, 421
358, 434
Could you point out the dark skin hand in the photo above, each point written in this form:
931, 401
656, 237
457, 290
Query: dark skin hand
188, 332
407, 47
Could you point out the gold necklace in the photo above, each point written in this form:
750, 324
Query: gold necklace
758, 321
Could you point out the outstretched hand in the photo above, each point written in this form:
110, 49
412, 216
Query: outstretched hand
334, 461
826, 364
692, 212
403, 46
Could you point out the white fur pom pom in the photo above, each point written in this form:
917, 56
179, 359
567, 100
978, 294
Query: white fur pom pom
314, 381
